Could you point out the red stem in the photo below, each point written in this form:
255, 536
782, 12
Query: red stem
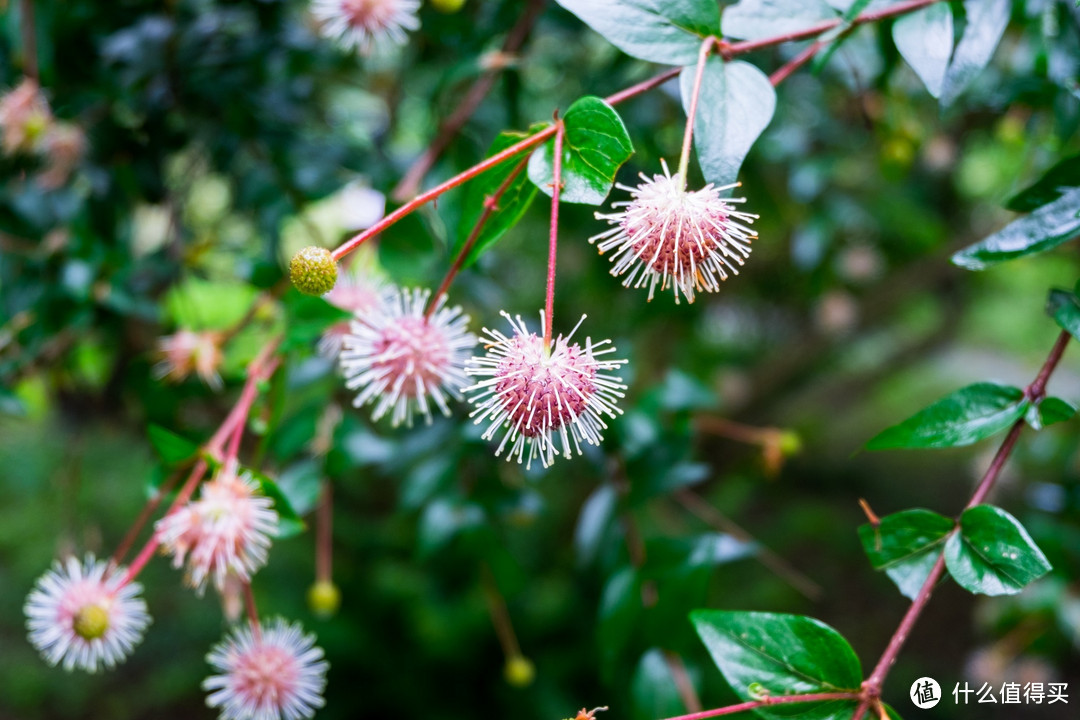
553, 237
324, 546
765, 702
784, 71
252, 611
688, 134
491, 204
1034, 392
151, 505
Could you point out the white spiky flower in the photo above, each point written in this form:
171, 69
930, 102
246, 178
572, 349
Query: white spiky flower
358, 293
546, 400
225, 532
85, 615
364, 24
267, 673
402, 360
667, 235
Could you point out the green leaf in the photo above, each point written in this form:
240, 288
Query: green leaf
1042, 230
737, 102
197, 304
170, 447
1064, 307
289, 523
444, 519
838, 34
662, 31
781, 655
1063, 176
964, 417
653, 688
985, 24
512, 205
1049, 411
925, 39
596, 516
758, 19
906, 545
993, 553
595, 145
307, 318
302, 485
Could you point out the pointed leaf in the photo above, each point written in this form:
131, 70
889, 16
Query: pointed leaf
662, 31
1064, 307
781, 655
1042, 230
170, 447
986, 22
993, 553
1055, 181
596, 516
289, 523
906, 545
737, 102
655, 693
513, 203
964, 417
595, 146
1049, 411
925, 39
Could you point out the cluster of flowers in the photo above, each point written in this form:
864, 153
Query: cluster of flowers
91, 614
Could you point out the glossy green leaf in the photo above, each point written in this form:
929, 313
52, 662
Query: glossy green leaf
170, 447
513, 203
993, 553
197, 304
906, 545
289, 523
966, 416
985, 22
838, 34
596, 516
444, 519
653, 688
661, 31
619, 614
757, 19
302, 485
737, 102
925, 39
595, 145
1048, 188
1064, 307
1042, 230
781, 655
1049, 411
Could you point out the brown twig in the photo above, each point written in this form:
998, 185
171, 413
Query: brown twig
29, 39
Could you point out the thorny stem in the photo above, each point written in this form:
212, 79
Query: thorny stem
691, 113
491, 204
553, 237
1034, 393
765, 702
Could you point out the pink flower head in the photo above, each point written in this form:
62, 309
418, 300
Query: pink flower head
269, 673
24, 118
668, 235
357, 293
398, 358
85, 615
225, 532
543, 398
185, 352
364, 24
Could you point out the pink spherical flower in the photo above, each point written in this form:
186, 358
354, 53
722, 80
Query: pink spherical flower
267, 673
356, 293
363, 24
225, 532
185, 352
84, 615
398, 358
546, 399
667, 235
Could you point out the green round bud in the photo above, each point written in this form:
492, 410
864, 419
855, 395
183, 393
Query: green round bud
90, 622
324, 599
790, 443
519, 671
313, 271
447, 6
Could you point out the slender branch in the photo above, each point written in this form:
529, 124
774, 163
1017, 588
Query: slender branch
766, 702
553, 236
144, 515
683, 684
691, 113
410, 183
784, 71
1034, 392
252, 610
491, 204
500, 616
29, 39
325, 542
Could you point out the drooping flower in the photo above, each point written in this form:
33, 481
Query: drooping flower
266, 673
364, 24
667, 235
402, 360
187, 351
550, 400
225, 532
358, 293
85, 615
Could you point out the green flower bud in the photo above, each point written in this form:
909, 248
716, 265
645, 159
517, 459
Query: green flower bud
519, 671
324, 599
313, 271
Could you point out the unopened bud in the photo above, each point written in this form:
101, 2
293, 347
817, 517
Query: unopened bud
313, 271
324, 599
519, 671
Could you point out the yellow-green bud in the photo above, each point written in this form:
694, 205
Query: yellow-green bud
790, 443
91, 622
324, 598
519, 671
313, 271
447, 6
